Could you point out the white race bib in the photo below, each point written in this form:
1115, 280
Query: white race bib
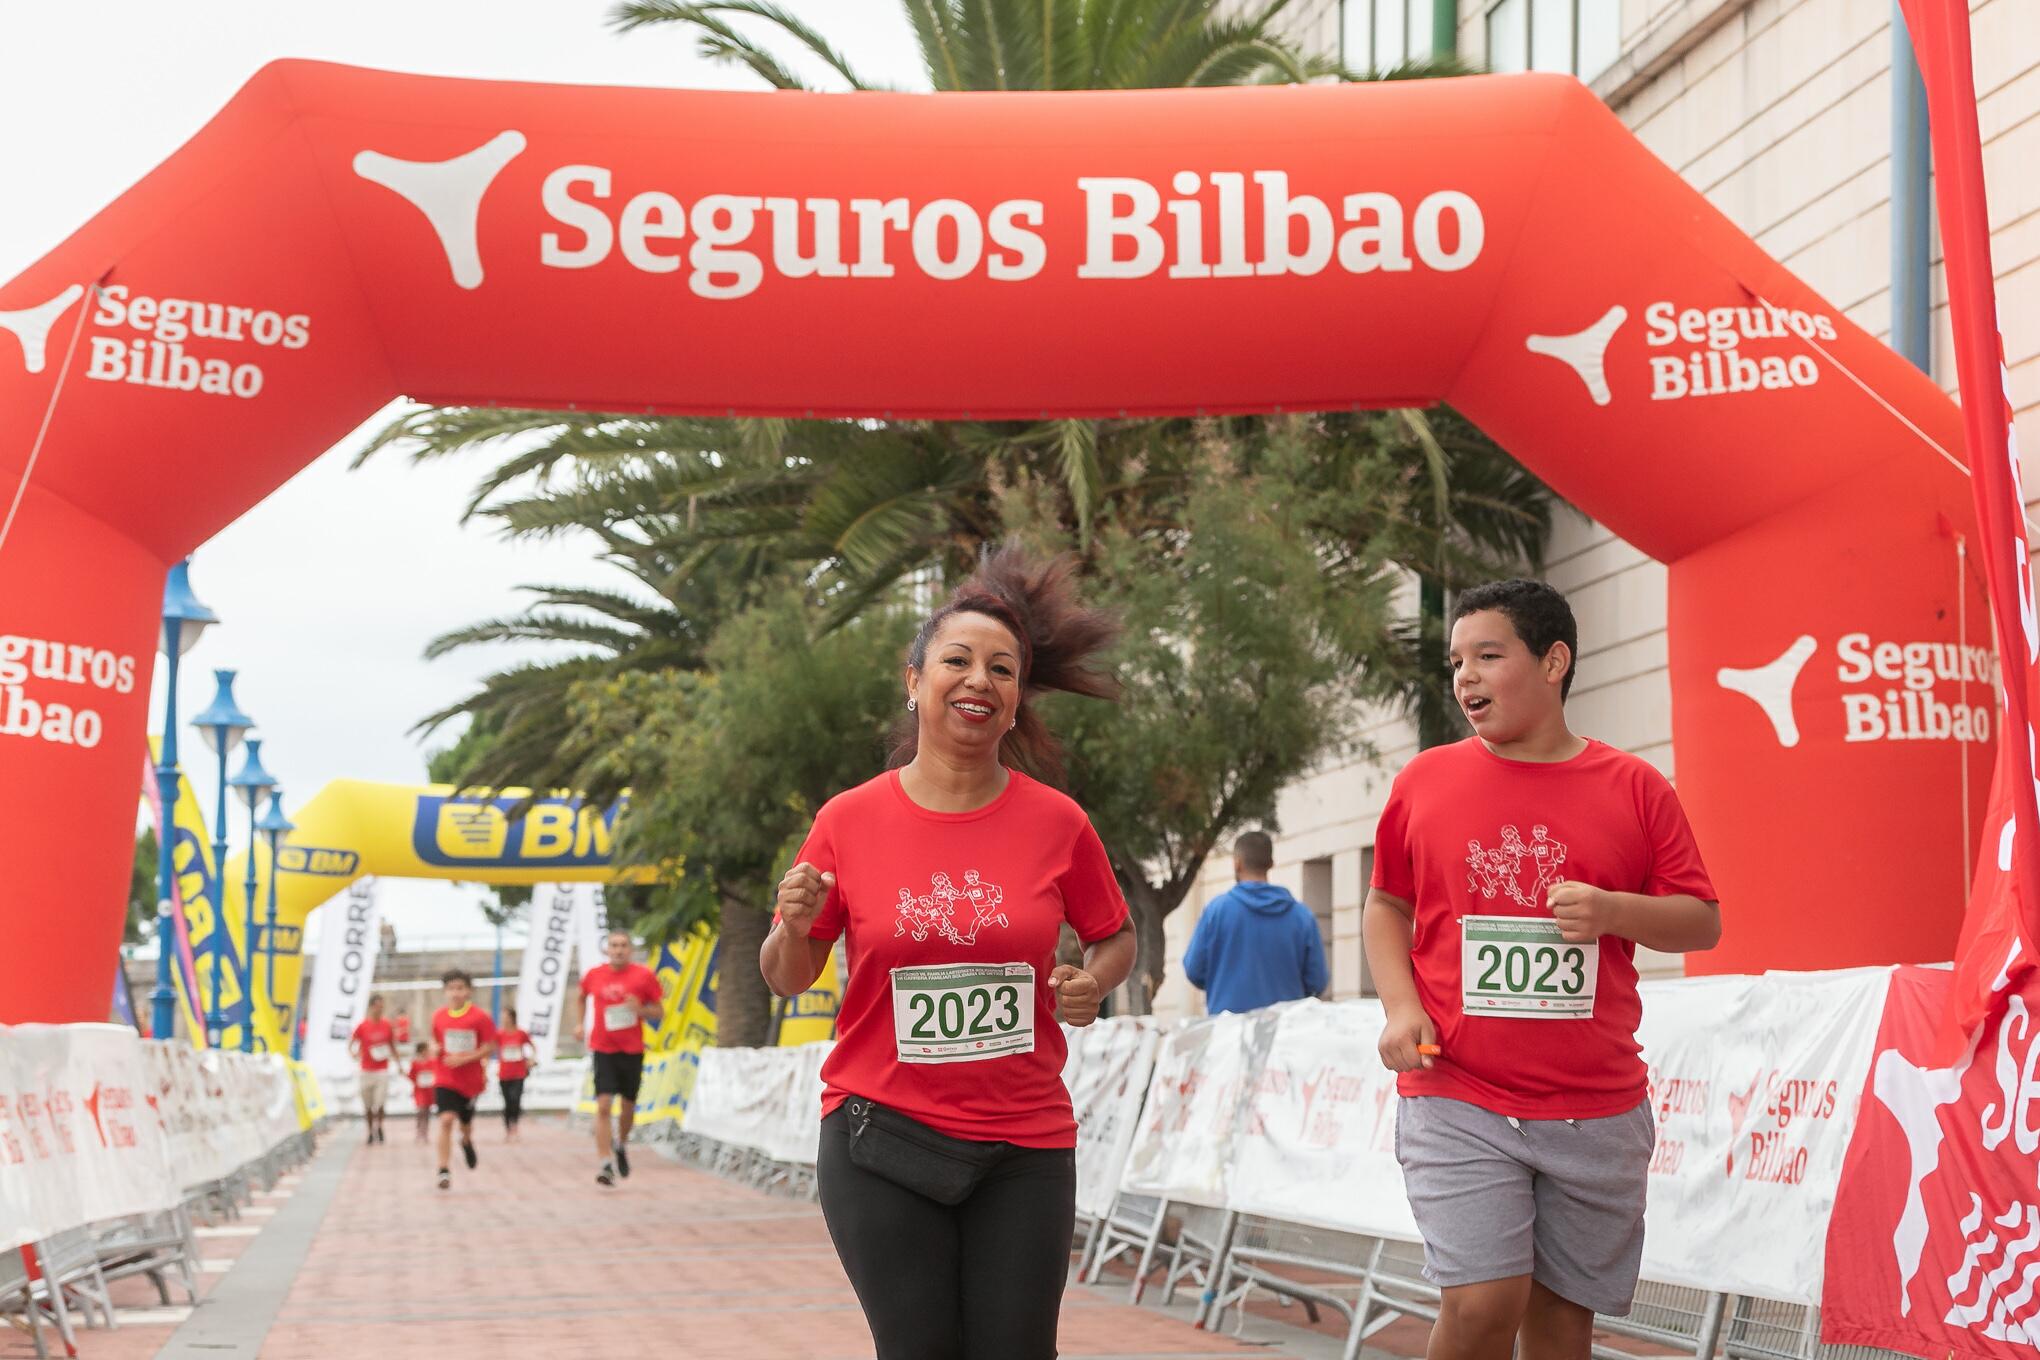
963, 1012
460, 1041
1521, 968
622, 1015
425, 1078
379, 1053
513, 1053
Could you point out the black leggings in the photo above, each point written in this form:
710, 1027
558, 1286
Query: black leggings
982, 1281
513, 1101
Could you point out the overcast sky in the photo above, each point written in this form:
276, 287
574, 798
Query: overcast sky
329, 590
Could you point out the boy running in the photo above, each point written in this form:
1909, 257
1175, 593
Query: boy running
463, 1037
621, 996
1514, 875
374, 1044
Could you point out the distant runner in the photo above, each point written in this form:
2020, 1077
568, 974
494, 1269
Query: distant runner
374, 1044
620, 997
463, 1038
513, 1065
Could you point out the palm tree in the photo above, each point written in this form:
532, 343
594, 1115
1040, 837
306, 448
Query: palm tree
1030, 44
701, 511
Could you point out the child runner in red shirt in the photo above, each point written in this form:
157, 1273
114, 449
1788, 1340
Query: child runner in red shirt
421, 1088
618, 999
1515, 873
513, 1065
463, 1037
374, 1044
951, 878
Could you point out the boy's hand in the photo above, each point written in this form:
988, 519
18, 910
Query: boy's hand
1401, 1037
1584, 913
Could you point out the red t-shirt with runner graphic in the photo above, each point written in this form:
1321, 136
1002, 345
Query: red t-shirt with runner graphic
468, 1031
990, 887
1469, 833
375, 1036
513, 1055
607, 993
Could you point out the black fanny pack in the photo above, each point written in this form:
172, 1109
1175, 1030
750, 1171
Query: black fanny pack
913, 1156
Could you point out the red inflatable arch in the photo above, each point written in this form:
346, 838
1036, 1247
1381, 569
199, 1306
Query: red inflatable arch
336, 237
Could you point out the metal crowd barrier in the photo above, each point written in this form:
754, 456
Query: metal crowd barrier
1372, 1281
73, 1269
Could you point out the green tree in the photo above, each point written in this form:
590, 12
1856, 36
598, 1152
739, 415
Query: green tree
143, 887
1249, 645
727, 765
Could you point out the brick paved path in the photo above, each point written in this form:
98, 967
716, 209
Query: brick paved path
527, 1256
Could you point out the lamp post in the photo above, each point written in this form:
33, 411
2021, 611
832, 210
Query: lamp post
275, 826
254, 783
184, 618
222, 724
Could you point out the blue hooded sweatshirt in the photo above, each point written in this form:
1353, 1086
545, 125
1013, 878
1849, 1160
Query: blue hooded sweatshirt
1255, 946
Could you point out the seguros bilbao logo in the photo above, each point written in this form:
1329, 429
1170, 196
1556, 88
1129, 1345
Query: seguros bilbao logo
480, 833
1913, 691
1699, 351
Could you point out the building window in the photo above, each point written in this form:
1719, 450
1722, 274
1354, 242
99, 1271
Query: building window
1578, 37
1380, 35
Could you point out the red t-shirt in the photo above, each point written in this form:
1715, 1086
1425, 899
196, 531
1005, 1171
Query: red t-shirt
470, 1031
403, 1026
422, 1080
513, 1054
375, 1036
605, 987
1469, 833
991, 887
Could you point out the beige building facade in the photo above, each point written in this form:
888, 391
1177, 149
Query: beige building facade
1780, 112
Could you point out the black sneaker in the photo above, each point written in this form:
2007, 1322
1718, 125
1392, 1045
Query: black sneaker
622, 1162
467, 1151
445, 1179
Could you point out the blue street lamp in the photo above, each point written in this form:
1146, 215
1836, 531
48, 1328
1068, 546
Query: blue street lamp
223, 724
254, 783
275, 826
184, 618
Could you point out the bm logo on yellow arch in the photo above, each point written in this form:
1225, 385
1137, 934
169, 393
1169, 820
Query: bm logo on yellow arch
480, 832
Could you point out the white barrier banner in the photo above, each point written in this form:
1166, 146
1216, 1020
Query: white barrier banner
1115, 1060
349, 937
1755, 1086
542, 981
1202, 1071
1318, 1143
798, 1137
80, 1137
741, 1095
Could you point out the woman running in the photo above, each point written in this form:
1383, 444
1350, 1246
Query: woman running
948, 1165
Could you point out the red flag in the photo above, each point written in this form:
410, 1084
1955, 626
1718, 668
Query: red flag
1996, 949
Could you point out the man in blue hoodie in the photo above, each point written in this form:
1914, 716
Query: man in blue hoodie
1255, 945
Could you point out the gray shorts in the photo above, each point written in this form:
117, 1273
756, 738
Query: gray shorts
1560, 1201
375, 1088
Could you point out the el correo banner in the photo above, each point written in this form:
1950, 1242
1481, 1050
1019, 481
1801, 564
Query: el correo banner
341, 982
542, 981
